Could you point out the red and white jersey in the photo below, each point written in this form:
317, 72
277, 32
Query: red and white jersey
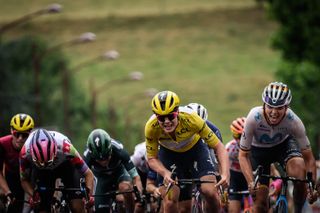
232, 148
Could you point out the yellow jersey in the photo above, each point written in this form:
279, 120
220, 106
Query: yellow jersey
190, 129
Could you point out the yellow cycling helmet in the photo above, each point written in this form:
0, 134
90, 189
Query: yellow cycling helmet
165, 102
22, 122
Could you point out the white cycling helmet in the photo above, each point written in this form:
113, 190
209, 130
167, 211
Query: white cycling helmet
200, 109
276, 94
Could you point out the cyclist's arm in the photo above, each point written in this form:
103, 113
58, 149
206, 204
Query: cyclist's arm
89, 177
245, 164
223, 159
3, 183
136, 180
299, 132
27, 187
245, 148
310, 162
152, 188
159, 168
25, 172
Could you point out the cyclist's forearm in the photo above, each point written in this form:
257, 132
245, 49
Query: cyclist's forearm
27, 187
4, 185
137, 181
310, 162
157, 166
245, 165
89, 180
223, 159
150, 186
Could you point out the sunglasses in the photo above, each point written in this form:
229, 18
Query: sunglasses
170, 116
21, 134
42, 164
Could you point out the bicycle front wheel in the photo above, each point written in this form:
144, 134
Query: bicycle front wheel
281, 207
196, 209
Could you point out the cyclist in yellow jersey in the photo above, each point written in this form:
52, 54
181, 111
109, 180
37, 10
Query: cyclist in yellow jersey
174, 139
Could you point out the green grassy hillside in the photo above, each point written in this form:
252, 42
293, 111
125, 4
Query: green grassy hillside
213, 52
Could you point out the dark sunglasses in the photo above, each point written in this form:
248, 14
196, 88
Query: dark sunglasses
21, 134
170, 116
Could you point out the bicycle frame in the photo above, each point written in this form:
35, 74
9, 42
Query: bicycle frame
281, 202
198, 202
247, 200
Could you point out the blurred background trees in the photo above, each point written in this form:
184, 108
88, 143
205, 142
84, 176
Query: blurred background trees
222, 51
298, 40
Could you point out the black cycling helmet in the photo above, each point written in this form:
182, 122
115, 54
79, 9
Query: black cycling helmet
99, 144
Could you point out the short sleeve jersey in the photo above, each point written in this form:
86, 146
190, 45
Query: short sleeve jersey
191, 127
9, 156
139, 157
257, 132
65, 152
232, 148
119, 158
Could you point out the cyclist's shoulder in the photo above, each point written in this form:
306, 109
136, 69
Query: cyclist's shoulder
58, 136
189, 117
116, 145
6, 140
291, 116
255, 115
152, 123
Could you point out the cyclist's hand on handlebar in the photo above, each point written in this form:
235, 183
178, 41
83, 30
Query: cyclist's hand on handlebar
55, 202
34, 200
167, 179
224, 182
312, 196
253, 189
10, 198
89, 203
156, 192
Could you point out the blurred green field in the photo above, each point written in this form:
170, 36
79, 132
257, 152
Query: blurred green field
213, 52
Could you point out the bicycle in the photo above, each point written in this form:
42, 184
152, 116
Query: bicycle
247, 200
112, 205
62, 205
150, 203
281, 205
198, 203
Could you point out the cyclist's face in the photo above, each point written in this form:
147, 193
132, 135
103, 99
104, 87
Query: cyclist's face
168, 123
274, 115
19, 138
104, 162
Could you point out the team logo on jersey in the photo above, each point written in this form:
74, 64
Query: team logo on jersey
290, 116
209, 136
257, 116
183, 130
148, 147
263, 128
267, 139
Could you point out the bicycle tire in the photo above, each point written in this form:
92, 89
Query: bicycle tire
281, 207
196, 209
